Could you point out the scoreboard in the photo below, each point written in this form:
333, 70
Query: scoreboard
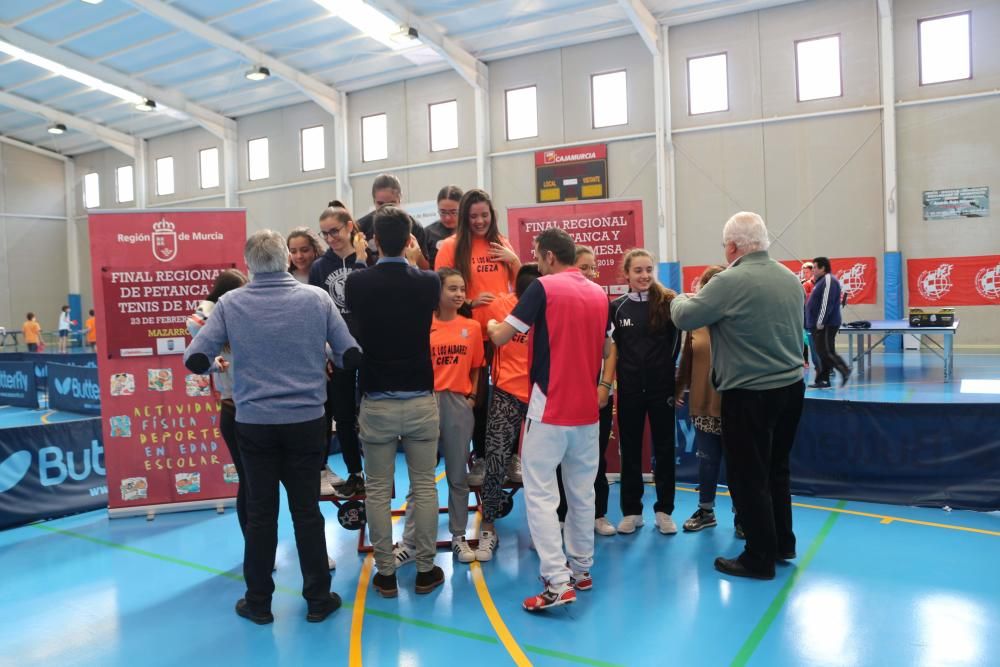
572, 174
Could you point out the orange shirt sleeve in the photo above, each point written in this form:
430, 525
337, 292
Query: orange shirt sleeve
446, 254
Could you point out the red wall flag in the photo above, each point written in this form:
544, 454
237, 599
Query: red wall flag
954, 281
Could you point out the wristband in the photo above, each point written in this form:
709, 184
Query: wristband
604, 384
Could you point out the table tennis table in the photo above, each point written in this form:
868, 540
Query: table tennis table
870, 338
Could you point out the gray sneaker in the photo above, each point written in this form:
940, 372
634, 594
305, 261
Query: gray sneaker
327, 480
476, 473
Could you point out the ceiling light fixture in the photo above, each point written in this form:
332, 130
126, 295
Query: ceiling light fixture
58, 128
93, 2
146, 105
69, 73
258, 73
384, 29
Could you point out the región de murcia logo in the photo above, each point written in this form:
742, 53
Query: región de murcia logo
164, 240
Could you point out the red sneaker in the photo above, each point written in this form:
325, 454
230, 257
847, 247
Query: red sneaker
581, 581
550, 598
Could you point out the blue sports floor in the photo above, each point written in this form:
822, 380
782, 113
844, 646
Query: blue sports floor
875, 585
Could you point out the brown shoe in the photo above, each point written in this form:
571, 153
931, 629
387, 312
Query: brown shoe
385, 584
428, 581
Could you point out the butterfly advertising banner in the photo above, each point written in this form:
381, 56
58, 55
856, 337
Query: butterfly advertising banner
150, 270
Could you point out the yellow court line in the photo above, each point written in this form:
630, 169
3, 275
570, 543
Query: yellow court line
883, 518
486, 600
358, 613
45, 417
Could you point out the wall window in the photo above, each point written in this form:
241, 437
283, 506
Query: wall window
258, 166
165, 176
817, 68
208, 168
943, 43
313, 148
708, 84
609, 99
124, 190
92, 190
444, 126
374, 138
522, 113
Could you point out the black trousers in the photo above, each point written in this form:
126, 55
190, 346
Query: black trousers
601, 481
633, 408
342, 407
290, 454
227, 424
825, 340
758, 431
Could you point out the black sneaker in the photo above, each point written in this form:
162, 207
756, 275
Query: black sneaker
258, 617
353, 486
702, 518
319, 613
819, 385
385, 584
428, 581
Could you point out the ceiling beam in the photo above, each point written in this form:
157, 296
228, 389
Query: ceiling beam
176, 104
117, 140
645, 23
430, 33
324, 95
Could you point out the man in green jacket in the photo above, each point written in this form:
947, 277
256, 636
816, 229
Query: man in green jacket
754, 312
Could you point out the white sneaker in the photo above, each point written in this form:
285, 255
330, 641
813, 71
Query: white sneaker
403, 554
604, 527
514, 469
327, 480
331, 564
665, 523
629, 523
476, 473
460, 547
488, 542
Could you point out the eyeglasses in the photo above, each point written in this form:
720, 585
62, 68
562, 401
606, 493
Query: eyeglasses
443, 213
333, 231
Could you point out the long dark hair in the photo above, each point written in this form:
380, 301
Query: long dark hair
659, 296
463, 233
304, 233
226, 281
444, 273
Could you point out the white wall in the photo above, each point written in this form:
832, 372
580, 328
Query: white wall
33, 273
817, 181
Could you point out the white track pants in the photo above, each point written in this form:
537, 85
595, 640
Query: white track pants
575, 448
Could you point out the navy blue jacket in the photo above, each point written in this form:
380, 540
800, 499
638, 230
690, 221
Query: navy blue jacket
823, 307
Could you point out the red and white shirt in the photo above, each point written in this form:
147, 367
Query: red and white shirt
567, 316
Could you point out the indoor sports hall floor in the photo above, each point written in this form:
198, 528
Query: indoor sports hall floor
873, 585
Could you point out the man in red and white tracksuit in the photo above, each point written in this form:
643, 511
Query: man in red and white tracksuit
567, 316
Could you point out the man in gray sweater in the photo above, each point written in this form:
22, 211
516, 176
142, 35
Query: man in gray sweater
278, 330
754, 313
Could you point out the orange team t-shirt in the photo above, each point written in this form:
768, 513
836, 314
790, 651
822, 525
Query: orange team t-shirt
91, 329
487, 275
32, 329
511, 361
456, 349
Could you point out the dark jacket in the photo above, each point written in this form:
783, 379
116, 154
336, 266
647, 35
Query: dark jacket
646, 360
392, 305
366, 224
329, 272
823, 307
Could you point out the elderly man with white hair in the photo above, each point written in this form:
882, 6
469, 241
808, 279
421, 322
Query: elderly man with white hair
753, 310
278, 330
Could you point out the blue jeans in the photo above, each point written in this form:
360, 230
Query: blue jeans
709, 447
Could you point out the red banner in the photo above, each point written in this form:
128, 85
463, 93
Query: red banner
858, 276
610, 228
954, 281
150, 270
